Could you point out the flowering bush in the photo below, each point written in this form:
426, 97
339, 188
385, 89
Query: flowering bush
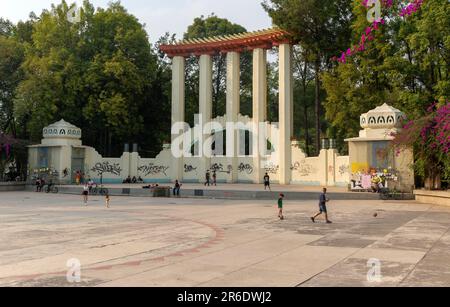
367, 36
430, 138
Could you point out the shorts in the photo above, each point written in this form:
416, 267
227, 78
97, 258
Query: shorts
323, 208
267, 184
85, 193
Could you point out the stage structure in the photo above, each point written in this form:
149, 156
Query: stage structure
254, 146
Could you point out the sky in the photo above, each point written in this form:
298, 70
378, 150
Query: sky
173, 16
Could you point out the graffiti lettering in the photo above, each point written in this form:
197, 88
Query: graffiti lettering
107, 168
218, 168
343, 169
303, 168
245, 168
152, 169
272, 169
189, 168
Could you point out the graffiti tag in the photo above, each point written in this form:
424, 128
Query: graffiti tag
189, 168
245, 168
272, 169
218, 168
152, 169
344, 169
107, 168
303, 169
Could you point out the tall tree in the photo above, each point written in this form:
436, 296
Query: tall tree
11, 58
322, 27
97, 73
406, 65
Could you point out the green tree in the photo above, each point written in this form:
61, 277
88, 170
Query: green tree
11, 58
406, 65
98, 73
322, 27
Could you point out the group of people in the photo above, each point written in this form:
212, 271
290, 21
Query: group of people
208, 178
40, 184
133, 180
323, 210
87, 189
374, 182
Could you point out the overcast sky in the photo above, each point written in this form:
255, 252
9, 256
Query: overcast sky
160, 16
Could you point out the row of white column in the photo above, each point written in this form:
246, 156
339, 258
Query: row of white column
286, 105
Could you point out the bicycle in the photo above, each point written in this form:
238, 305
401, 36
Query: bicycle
51, 189
99, 191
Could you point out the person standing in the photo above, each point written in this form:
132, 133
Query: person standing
214, 176
280, 207
85, 194
107, 200
78, 177
38, 184
323, 207
208, 178
267, 183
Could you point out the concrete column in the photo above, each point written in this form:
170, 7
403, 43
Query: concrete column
134, 164
205, 110
259, 109
178, 103
233, 108
332, 167
285, 109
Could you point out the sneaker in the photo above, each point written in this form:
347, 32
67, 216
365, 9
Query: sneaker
313, 220
329, 222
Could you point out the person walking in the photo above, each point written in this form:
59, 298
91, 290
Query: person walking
280, 207
267, 183
208, 178
323, 207
85, 194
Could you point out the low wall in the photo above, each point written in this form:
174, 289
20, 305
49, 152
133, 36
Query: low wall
12, 186
441, 198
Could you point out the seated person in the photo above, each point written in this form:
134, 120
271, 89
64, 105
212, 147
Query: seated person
177, 188
376, 184
140, 180
134, 180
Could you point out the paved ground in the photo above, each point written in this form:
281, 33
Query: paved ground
176, 242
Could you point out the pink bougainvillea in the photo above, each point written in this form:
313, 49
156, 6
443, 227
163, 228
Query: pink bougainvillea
430, 138
367, 36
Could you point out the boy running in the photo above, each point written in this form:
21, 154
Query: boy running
322, 207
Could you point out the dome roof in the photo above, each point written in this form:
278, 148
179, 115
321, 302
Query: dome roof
383, 117
62, 129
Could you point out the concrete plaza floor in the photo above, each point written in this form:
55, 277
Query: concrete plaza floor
199, 242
